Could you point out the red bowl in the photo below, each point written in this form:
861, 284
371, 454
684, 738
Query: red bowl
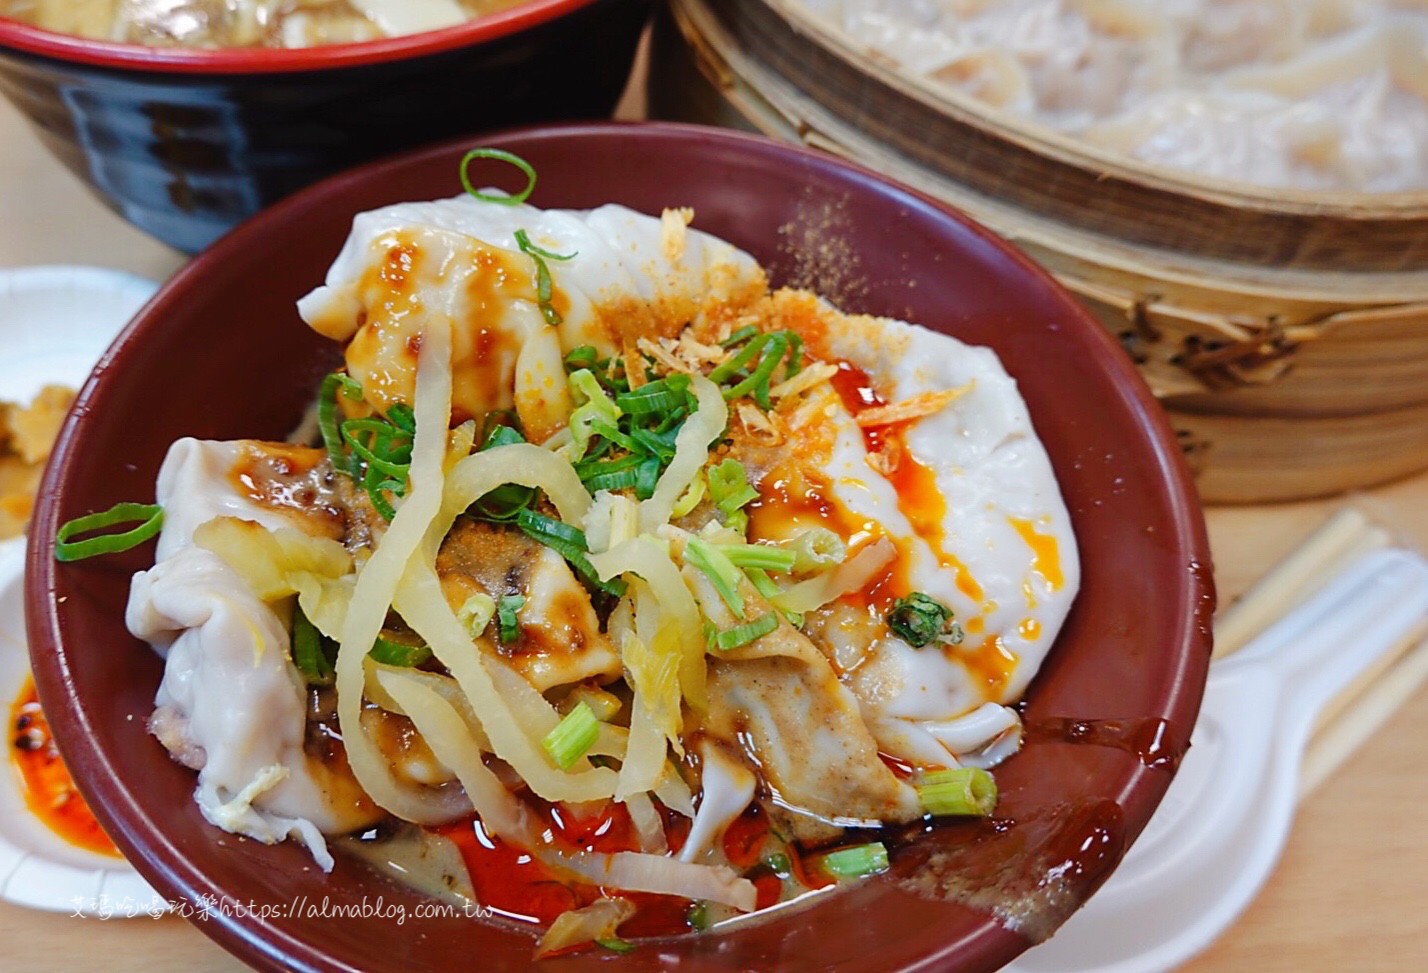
186, 143
220, 352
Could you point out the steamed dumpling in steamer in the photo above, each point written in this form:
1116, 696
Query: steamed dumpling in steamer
1322, 94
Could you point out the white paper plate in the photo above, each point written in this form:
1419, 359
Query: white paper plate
55, 322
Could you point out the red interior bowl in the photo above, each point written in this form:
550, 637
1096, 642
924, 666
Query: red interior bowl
220, 352
185, 143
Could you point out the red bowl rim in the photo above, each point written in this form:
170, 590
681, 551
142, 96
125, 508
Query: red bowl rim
179, 60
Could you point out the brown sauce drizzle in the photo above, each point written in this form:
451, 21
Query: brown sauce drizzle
293, 480
1030, 873
1148, 739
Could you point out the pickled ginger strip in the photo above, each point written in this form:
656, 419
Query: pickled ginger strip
446, 732
378, 580
637, 872
423, 605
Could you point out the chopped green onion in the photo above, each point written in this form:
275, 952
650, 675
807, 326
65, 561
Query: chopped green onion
503, 156
545, 288
763, 556
508, 616
729, 487
857, 861
307, 651
393, 653
504, 503
659, 444
765, 586
327, 421
741, 635
476, 613
618, 480
698, 916
610, 432
402, 416
381, 451
963, 791
523, 241
816, 549
595, 410
572, 737
606, 370
495, 419
920, 619
758, 380
779, 864
647, 478
669, 425
349, 387
656, 397
731, 366
795, 356
589, 469
550, 531
719, 570
743, 334
569, 542
616, 945
149, 516
502, 435
382, 444
661, 401
377, 490
583, 357
690, 500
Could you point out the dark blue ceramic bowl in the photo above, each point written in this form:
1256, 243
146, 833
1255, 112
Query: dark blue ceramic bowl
186, 143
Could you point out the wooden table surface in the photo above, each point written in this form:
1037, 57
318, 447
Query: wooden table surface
1349, 894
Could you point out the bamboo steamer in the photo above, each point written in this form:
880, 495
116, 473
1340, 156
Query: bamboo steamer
1285, 332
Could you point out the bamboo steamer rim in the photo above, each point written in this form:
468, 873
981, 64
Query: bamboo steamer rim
997, 152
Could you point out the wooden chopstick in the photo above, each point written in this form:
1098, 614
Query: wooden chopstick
1363, 683
1337, 741
1344, 537
1355, 714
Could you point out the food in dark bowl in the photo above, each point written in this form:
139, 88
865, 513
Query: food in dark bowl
722, 623
186, 142
246, 23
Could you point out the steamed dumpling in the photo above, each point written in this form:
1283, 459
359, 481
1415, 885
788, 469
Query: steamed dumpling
231, 705
627, 275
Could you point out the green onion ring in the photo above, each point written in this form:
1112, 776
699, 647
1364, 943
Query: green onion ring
501, 155
150, 517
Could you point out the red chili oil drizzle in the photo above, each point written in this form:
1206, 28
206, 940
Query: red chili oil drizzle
745, 838
1149, 739
918, 495
856, 390
901, 769
48, 788
515, 884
